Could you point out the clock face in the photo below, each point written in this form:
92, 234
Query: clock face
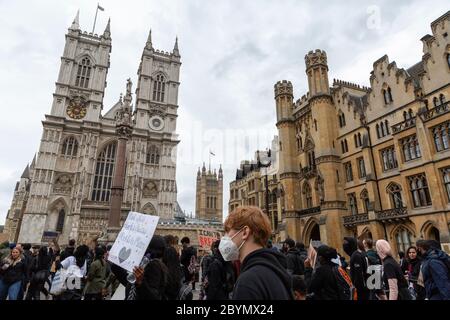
76, 109
156, 123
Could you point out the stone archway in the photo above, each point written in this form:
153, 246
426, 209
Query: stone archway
149, 209
431, 232
311, 231
365, 234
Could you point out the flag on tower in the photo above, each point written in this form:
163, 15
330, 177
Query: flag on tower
100, 8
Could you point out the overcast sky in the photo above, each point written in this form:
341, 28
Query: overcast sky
233, 52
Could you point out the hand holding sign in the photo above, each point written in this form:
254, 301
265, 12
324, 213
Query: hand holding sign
133, 240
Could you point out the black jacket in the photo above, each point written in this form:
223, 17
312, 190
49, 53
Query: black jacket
186, 255
295, 263
216, 274
13, 273
413, 270
264, 277
154, 285
28, 259
358, 268
322, 284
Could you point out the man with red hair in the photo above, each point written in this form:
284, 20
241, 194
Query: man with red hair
263, 271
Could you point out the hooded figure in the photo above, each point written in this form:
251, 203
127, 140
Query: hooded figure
220, 275
155, 280
358, 267
322, 285
265, 269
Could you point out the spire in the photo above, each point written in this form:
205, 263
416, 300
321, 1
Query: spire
26, 172
203, 168
149, 44
220, 172
198, 172
107, 32
176, 52
76, 22
33, 163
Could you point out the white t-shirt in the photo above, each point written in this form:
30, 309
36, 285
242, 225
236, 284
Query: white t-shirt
71, 261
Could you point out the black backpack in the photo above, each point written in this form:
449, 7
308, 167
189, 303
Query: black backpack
228, 277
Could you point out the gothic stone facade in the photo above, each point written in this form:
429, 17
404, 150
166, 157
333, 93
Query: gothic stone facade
254, 185
369, 162
366, 162
71, 178
209, 195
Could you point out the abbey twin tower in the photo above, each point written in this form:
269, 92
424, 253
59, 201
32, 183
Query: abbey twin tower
67, 187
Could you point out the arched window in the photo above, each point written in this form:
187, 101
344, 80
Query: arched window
435, 101
104, 169
404, 239
365, 200
70, 147
419, 190
315, 124
383, 133
352, 204
378, 131
387, 96
311, 159
159, 88
410, 113
308, 195
386, 123
60, 221
446, 177
442, 98
153, 155
359, 139
356, 140
83, 73
448, 60
390, 95
395, 194
342, 146
346, 145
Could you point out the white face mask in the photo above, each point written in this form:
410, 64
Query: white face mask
228, 249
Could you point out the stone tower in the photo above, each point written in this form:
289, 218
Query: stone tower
288, 169
324, 132
209, 194
77, 103
85, 164
156, 113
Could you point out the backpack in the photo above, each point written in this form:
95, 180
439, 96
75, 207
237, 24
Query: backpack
346, 290
185, 292
228, 277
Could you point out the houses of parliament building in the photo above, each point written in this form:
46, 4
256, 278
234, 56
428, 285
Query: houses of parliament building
362, 161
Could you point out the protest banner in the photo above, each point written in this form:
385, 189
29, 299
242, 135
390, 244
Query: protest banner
133, 240
207, 237
312, 254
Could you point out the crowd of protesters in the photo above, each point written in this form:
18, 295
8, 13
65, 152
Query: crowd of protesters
243, 265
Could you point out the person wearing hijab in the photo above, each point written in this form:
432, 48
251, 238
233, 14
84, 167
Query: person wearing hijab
394, 280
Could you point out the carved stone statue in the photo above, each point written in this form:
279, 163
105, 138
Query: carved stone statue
129, 85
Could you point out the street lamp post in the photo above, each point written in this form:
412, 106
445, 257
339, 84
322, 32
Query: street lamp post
265, 162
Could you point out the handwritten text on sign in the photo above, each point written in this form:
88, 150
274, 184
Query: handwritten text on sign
133, 239
207, 237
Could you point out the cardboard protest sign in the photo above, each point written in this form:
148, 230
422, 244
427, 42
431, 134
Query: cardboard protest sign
207, 237
132, 241
312, 254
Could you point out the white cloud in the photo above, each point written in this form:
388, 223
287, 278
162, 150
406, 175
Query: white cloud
232, 52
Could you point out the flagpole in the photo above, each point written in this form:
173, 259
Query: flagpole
95, 19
